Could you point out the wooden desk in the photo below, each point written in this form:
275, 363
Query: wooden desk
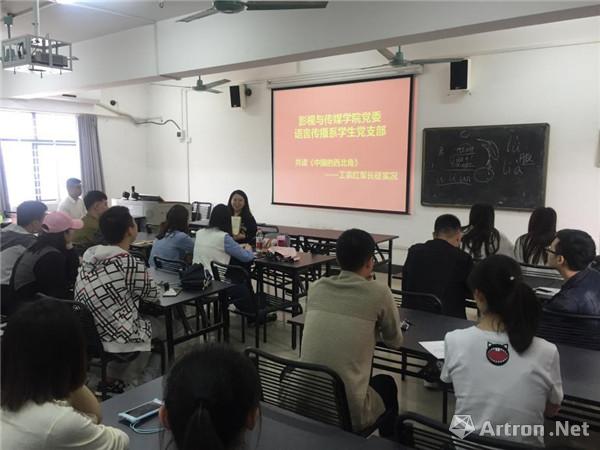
318, 240
277, 429
294, 271
215, 288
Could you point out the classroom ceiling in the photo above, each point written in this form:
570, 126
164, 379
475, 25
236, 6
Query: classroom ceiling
85, 19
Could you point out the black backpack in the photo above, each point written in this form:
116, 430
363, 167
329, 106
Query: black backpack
194, 278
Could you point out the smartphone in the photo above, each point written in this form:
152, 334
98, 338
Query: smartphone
142, 411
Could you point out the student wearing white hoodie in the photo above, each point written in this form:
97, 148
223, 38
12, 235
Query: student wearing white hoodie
112, 283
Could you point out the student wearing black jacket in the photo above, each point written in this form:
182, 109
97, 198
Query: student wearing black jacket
439, 267
50, 265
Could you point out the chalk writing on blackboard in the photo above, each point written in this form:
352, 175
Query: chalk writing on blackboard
504, 165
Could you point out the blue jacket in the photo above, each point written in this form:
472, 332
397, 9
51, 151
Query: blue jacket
579, 295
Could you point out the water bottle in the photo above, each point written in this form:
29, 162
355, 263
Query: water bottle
259, 240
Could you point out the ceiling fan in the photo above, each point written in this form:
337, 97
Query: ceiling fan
397, 59
234, 6
208, 87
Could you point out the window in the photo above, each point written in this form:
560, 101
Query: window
40, 152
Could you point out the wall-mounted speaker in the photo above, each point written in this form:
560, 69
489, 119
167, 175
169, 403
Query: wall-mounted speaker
237, 95
460, 75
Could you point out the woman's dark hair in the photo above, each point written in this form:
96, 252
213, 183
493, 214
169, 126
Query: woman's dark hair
220, 218
43, 354
177, 220
114, 223
540, 234
209, 394
500, 280
246, 209
354, 248
56, 240
481, 239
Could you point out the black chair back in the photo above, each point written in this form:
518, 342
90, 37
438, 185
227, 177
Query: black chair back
576, 330
416, 431
540, 271
230, 273
201, 210
169, 265
418, 300
309, 390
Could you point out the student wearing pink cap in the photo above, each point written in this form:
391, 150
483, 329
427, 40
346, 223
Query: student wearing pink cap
50, 265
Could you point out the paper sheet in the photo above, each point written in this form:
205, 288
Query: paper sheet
547, 292
436, 348
236, 223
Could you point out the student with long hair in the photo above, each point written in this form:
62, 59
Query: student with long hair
239, 207
530, 248
500, 371
173, 241
49, 266
216, 244
45, 403
211, 398
480, 238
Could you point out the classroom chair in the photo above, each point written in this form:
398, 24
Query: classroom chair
309, 390
264, 303
419, 432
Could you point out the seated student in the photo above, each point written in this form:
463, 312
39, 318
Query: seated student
173, 241
49, 266
72, 204
14, 240
112, 284
499, 370
571, 253
45, 403
216, 244
239, 207
530, 248
95, 203
480, 238
345, 316
211, 398
439, 267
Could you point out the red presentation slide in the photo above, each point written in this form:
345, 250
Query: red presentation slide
343, 145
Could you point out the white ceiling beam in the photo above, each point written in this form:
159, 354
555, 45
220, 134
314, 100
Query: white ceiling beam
253, 39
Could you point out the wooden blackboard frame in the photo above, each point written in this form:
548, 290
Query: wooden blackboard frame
544, 171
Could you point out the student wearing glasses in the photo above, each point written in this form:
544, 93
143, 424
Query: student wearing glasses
571, 253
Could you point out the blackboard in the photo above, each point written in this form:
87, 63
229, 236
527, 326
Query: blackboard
504, 165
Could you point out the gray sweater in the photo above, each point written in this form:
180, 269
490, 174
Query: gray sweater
346, 316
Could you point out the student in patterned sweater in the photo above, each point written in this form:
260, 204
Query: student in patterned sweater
112, 284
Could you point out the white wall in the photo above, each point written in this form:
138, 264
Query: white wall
124, 145
232, 149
